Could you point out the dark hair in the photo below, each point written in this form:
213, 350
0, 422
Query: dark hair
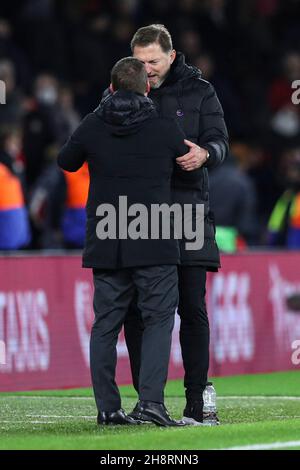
129, 74
150, 34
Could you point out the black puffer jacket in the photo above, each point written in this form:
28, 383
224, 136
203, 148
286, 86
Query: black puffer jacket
192, 101
130, 151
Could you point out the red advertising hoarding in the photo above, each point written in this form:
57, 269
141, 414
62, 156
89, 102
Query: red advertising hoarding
46, 316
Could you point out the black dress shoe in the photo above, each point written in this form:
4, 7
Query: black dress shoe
115, 417
193, 413
135, 414
154, 412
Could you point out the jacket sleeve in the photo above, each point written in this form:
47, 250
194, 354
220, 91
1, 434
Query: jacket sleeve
72, 155
213, 135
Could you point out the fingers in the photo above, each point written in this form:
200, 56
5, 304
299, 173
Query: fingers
187, 158
193, 159
189, 143
190, 166
191, 154
190, 163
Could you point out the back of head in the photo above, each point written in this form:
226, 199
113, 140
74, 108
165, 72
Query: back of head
154, 33
129, 74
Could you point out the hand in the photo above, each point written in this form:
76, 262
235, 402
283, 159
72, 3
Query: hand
194, 159
38, 208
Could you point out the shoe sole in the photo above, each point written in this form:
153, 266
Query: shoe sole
157, 422
142, 421
211, 423
194, 422
191, 421
118, 424
145, 422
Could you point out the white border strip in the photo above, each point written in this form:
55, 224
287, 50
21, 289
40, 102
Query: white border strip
267, 446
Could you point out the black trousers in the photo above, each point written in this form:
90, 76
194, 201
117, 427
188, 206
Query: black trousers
194, 331
156, 290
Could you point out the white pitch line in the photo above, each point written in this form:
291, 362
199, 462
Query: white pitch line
31, 422
59, 417
42, 422
267, 446
258, 397
220, 397
35, 397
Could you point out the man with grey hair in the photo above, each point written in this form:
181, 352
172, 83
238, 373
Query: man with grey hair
178, 91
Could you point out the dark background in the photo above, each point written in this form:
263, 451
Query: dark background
248, 49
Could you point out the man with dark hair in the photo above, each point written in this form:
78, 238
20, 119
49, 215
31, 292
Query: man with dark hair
155, 33
131, 152
129, 75
178, 91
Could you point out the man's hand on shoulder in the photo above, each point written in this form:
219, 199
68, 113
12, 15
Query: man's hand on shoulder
194, 159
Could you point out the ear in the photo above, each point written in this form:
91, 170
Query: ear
173, 56
148, 87
111, 88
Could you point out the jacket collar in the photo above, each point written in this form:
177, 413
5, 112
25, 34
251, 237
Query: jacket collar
180, 70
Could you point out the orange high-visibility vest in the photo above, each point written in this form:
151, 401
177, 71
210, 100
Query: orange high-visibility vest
11, 193
77, 187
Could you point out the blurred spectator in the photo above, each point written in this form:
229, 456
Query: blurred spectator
67, 118
91, 53
43, 36
285, 119
50, 119
217, 29
74, 215
48, 190
15, 231
253, 160
125, 9
16, 55
284, 223
12, 112
234, 117
119, 45
233, 202
57, 208
190, 44
45, 208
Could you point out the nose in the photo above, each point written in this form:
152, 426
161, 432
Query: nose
148, 68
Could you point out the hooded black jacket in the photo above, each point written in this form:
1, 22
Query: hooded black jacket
130, 152
193, 103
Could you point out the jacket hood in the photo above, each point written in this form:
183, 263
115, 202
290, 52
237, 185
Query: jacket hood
124, 112
180, 70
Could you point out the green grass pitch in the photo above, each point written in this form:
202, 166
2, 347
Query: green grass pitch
256, 411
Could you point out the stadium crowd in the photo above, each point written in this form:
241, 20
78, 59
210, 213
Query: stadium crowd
55, 61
